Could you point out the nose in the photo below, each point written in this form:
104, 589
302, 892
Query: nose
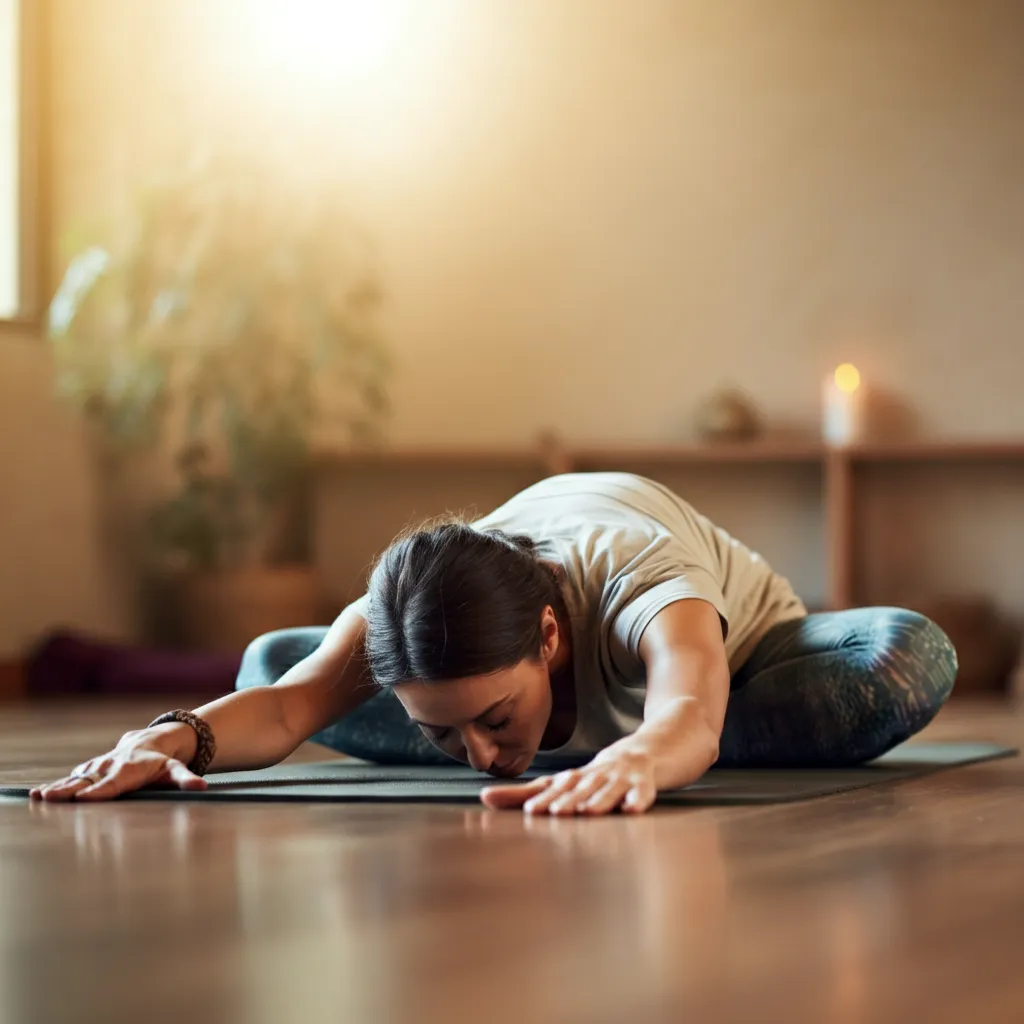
480, 750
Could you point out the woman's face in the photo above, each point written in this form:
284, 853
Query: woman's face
493, 722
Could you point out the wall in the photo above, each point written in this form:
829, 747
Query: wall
590, 213
51, 545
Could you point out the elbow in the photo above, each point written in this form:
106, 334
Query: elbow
711, 751
705, 748
709, 742
709, 735
705, 737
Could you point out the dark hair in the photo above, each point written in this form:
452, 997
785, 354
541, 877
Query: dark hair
448, 601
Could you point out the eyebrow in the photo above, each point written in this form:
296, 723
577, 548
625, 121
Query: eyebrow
483, 714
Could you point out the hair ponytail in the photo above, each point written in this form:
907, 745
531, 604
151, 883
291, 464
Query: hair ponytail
448, 601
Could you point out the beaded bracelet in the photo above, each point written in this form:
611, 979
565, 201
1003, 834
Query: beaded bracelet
206, 745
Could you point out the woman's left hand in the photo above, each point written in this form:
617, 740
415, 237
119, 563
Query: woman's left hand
621, 778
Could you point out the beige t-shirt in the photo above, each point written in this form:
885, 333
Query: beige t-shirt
629, 547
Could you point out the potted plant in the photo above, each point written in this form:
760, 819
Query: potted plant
227, 322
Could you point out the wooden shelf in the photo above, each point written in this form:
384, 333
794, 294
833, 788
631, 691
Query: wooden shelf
413, 456
936, 451
731, 452
838, 465
770, 451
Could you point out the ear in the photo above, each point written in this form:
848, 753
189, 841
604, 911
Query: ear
550, 638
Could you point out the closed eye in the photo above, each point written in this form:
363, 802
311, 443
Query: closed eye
440, 735
436, 735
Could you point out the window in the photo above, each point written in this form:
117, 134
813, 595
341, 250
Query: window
19, 171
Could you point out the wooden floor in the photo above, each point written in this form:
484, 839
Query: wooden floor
902, 903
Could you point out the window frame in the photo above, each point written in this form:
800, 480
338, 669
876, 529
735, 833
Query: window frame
32, 190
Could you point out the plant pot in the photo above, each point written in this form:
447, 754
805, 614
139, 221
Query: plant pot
226, 610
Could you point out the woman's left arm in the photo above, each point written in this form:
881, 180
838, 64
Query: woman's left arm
687, 691
683, 652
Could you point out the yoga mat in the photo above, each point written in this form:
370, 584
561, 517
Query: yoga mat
351, 780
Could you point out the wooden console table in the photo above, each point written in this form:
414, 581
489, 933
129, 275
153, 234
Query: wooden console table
838, 465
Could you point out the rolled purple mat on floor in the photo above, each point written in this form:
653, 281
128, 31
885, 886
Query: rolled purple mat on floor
67, 664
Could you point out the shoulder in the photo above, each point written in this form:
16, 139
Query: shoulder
614, 494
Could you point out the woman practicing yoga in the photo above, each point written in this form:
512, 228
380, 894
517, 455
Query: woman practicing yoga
596, 625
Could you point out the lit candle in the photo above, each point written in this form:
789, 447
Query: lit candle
843, 419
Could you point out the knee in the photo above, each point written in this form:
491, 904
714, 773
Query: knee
269, 656
916, 658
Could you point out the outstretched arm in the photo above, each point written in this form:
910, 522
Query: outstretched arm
253, 728
687, 690
260, 726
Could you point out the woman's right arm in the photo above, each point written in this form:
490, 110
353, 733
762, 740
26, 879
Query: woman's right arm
253, 728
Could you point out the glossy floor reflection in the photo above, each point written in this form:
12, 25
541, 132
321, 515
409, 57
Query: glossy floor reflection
895, 903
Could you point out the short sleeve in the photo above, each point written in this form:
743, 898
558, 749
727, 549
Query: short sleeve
658, 591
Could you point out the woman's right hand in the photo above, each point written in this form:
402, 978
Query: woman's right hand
136, 761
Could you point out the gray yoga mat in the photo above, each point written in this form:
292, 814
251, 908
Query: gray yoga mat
351, 781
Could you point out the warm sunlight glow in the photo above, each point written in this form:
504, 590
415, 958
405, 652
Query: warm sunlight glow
847, 378
344, 38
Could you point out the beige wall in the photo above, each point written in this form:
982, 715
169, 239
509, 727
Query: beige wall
51, 568
589, 214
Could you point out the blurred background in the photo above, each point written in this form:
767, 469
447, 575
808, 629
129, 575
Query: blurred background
280, 278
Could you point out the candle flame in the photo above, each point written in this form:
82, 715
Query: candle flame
847, 378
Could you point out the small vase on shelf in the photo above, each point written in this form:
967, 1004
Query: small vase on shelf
728, 415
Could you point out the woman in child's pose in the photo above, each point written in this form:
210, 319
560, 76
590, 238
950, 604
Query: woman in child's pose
596, 625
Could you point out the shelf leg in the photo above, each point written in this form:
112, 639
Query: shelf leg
839, 536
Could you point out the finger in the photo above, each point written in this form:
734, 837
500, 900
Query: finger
95, 767
560, 784
608, 797
640, 797
76, 780
120, 779
570, 802
500, 798
179, 775
63, 789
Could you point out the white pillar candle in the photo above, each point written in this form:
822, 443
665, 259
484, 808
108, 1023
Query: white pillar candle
843, 406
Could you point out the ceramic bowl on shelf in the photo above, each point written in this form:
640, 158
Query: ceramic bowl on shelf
727, 415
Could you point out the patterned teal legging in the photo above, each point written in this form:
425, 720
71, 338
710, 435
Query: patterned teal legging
833, 688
